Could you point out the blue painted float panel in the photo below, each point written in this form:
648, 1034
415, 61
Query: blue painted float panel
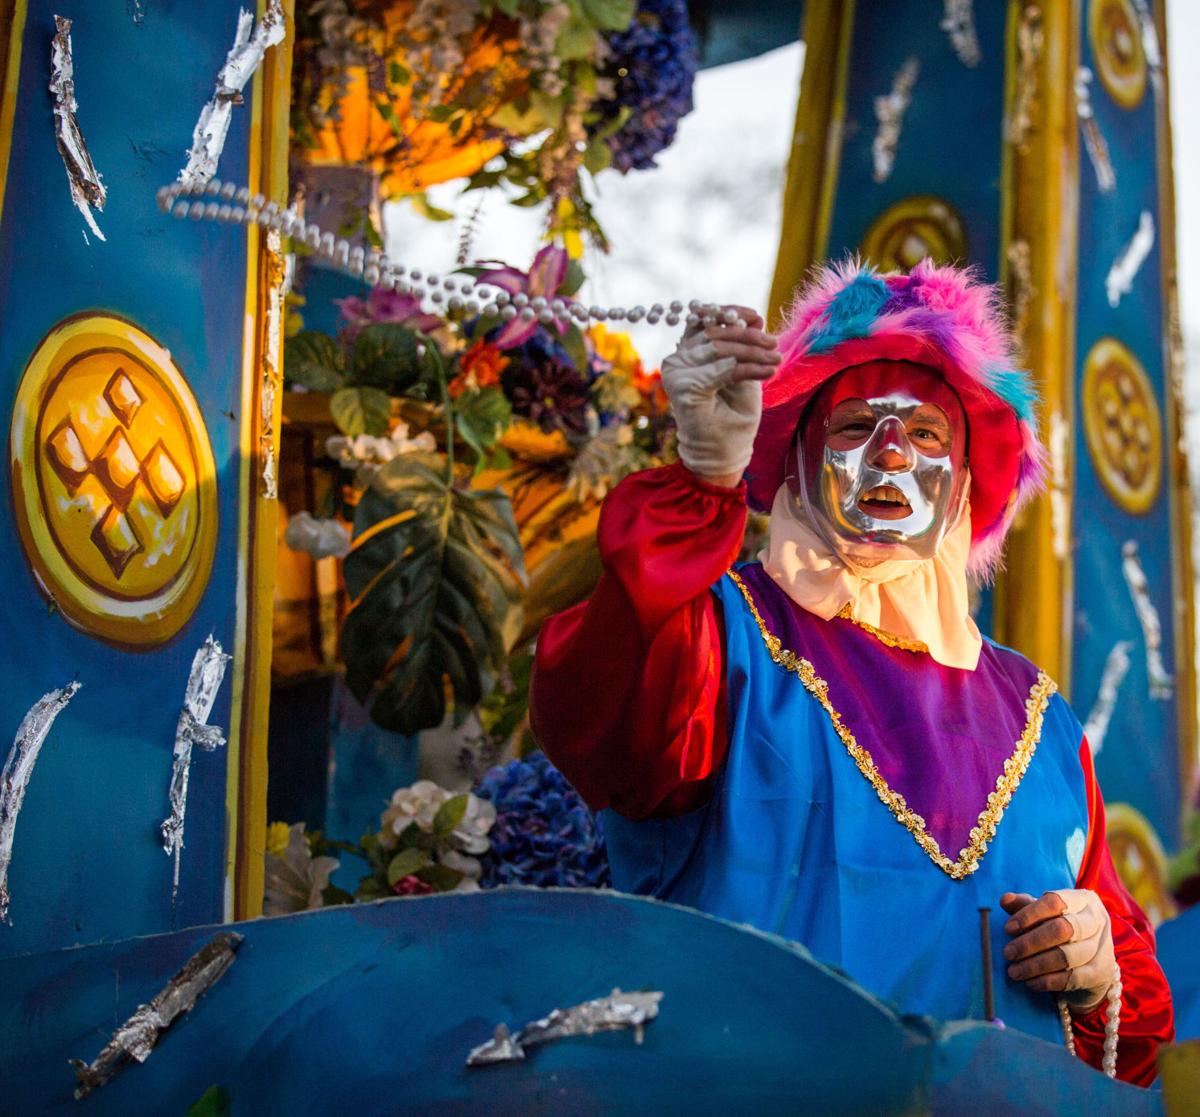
88, 862
372, 1009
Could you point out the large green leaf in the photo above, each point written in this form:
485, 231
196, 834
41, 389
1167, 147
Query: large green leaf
482, 418
361, 411
385, 357
315, 361
435, 578
609, 15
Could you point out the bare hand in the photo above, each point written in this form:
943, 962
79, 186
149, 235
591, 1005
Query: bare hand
1062, 943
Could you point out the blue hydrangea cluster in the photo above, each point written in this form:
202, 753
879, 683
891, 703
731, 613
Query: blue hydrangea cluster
544, 834
653, 66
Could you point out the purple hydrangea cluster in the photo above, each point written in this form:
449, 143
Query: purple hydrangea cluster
652, 67
544, 386
544, 834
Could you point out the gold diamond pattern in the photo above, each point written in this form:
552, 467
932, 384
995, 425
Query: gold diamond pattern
67, 456
116, 539
118, 468
163, 479
113, 481
123, 397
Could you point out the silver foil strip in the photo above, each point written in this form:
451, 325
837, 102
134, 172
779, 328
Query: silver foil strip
889, 113
192, 731
135, 1039
245, 56
1125, 267
607, 1014
1093, 138
18, 767
958, 21
1161, 682
1116, 667
86, 188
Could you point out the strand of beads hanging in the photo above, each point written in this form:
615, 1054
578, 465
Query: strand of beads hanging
1112, 1025
230, 204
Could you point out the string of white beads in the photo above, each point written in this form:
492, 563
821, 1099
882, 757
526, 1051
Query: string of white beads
228, 203
1112, 1025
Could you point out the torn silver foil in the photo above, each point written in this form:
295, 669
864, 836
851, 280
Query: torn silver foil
958, 21
245, 56
135, 1039
889, 113
1161, 682
18, 767
86, 188
192, 731
1093, 139
607, 1014
1129, 261
1116, 667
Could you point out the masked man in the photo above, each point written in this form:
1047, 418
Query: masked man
821, 744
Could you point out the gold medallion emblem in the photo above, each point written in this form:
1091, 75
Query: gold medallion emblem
113, 481
905, 233
1121, 425
1115, 31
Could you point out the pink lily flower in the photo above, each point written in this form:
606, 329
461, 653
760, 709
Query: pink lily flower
383, 304
546, 275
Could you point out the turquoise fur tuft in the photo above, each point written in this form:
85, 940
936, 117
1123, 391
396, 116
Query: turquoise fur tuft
852, 312
1014, 387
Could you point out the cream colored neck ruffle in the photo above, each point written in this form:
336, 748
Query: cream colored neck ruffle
923, 600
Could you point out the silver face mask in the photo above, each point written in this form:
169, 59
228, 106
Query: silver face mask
923, 495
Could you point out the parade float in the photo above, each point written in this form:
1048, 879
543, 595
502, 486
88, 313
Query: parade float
288, 511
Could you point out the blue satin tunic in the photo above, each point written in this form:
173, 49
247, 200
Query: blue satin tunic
797, 841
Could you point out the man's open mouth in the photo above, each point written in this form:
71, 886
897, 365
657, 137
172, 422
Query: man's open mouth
884, 502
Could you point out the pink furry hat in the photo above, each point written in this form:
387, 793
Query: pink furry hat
937, 316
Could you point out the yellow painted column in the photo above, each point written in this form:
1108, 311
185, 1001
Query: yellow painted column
262, 393
816, 148
1039, 238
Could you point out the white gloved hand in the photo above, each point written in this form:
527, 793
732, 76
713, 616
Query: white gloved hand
1063, 944
714, 382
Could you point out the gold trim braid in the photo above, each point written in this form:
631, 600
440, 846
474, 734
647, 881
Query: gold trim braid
1015, 766
904, 643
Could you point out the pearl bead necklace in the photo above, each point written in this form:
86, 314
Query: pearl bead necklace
235, 205
1112, 1025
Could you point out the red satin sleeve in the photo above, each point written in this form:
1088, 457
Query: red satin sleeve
627, 697
1147, 1017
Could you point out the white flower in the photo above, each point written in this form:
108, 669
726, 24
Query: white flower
295, 879
418, 803
470, 835
319, 538
366, 453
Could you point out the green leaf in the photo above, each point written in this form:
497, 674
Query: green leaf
214, 1102
385, 356
429, 211
371, 888
504, 709
361, 411
333, 896
577, 37
574, 279
405, 863
441, 878
509, 7
481, 418
572, 341
435, 591
315, 361
449, 815
598, 156
399, 74
609, 15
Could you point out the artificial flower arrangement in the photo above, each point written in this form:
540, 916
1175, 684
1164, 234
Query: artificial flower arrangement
444, 420
526, 95
523, 825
